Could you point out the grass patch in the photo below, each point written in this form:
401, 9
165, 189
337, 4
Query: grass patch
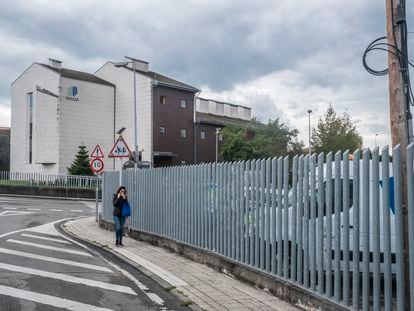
170, 288
186, 303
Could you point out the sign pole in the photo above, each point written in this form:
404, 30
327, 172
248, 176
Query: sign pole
97, 196
120, 172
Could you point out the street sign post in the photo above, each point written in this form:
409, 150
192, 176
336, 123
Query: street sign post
97, 166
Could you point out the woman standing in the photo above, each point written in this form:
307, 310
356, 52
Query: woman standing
120, 198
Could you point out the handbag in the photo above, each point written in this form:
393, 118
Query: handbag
126, 210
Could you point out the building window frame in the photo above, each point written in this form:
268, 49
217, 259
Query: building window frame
163, 100
183, 133
30, 125
183, 103
163, 130
203, 135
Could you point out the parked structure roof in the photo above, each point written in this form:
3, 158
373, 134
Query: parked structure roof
219, 120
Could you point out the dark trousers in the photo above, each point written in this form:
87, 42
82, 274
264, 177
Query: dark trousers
119, 225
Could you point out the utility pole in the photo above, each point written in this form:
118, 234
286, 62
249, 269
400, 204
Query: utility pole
399, 115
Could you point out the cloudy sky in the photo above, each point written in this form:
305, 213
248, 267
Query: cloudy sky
280, 57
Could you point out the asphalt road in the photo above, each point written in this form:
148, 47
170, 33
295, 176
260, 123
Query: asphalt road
41, 269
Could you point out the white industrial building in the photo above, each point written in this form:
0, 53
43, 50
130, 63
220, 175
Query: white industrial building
53, 111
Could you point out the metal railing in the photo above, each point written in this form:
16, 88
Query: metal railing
327, 223
47, 180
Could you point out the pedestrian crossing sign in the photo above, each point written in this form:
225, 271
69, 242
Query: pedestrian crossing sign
120, 149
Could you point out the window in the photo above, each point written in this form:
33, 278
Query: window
30, 124
202, 135
163, 100
183, 162
183, 103
183, 133
220, 137
162, 130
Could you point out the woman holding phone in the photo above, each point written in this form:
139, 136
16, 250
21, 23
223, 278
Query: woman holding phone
119, 201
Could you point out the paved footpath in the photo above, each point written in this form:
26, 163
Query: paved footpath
204, 286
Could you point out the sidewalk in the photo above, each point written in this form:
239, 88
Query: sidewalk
204, 286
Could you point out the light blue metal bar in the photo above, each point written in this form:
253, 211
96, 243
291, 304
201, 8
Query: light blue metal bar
243, 211
227, 215
205, 205
268, 215
410, 206
294, 218
312, 244
285, 208
320, 219
249, 213
279, 248
397, 170
220, 207
262, 213
214, 206
274, 216
355, 231
209, 206
365, 229
329, 195
238, 212
257, 217
345, 228
338, 203
233, 209
300, 222
376, 227
306, 215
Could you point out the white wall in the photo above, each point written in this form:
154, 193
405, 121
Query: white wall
88, 121
46, 129
123, 79
223, 109
26, 83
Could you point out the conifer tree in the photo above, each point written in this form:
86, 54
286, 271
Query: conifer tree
80, 166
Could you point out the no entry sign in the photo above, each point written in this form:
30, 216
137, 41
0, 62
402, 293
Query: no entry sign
97, 165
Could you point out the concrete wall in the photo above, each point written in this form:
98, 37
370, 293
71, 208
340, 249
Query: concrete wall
223, 109
123, 79
88, 121
26, 83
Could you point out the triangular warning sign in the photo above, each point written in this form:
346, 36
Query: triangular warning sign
120, 149
97, 152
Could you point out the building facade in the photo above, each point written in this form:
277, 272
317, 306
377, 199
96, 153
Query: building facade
54, 110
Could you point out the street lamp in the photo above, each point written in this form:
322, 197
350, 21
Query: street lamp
125, 64
217, 138
310, 151
375, 139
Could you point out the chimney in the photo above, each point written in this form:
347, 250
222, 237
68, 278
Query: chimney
54, 63
139, 64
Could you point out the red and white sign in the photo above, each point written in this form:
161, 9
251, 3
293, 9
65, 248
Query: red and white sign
97, 152
97, 165
120, 149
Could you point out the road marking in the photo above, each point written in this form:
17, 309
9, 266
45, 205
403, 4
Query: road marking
52, 259
55, 210
48, 300
76, 210
44, 238
162, 273
58, 249
14, 213
155, 298
13, 208
68, 278
34, 209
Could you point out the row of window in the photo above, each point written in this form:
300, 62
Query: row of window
183, 102
183, 133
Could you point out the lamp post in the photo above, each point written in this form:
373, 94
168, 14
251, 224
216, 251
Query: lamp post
375, 139
125, 64
217, 139
310, 150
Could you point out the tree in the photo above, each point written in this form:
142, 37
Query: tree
259, 140
80, 166
334, 133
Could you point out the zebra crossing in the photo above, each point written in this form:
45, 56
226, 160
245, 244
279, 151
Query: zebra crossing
40, 268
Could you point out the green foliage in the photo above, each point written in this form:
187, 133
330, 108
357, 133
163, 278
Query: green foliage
259, 140
334, 133
5, 152
80, 166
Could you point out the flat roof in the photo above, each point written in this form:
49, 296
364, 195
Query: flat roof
213, 119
